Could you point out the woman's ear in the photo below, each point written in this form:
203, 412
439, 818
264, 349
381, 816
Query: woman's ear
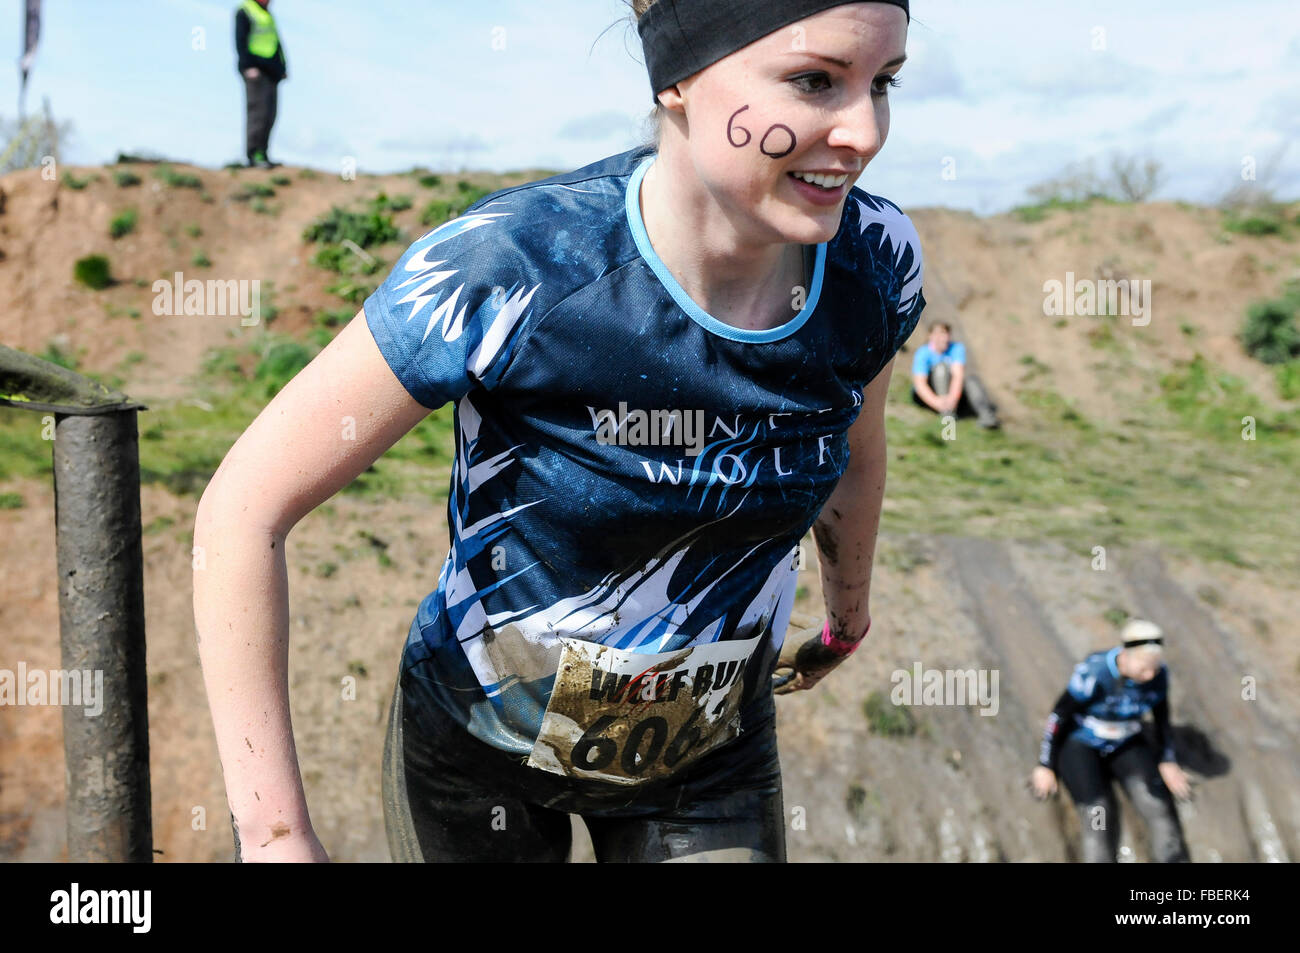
671, 99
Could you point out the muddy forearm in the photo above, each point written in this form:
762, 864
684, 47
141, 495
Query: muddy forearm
846, 540
241, 612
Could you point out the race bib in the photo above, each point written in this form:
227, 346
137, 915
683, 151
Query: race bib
1112, 730
630, 717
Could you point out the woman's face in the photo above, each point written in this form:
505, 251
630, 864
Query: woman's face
1138, 665
811, 97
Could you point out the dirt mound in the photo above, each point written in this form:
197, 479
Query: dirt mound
869, 781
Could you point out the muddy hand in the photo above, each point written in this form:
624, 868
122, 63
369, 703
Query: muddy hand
804, 655
1042, 783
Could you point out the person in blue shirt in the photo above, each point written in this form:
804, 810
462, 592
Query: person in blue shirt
665, 368
942, 381
1093, 738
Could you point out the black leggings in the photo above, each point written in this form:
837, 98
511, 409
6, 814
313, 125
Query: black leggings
450, 797
1088, 774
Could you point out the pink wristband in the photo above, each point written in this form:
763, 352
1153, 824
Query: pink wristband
839, 646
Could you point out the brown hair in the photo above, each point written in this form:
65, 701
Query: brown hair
655, 119
934, 325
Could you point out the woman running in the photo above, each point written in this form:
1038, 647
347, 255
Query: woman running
666, 367
1094, 737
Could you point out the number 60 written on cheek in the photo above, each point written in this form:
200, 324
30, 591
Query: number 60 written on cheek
781, 129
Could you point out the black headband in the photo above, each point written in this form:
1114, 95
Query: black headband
1137, 642
681, 37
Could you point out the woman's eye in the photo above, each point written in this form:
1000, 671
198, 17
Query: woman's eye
806, 82
889, 82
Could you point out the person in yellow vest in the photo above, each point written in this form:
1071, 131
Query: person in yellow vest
263, 66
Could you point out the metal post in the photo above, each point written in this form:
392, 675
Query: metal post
101, 603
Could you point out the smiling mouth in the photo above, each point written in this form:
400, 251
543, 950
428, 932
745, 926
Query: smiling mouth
827, 183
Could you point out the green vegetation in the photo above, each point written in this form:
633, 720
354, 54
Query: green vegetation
439, 211
181, 444
344, 261
177, 180
201, 259
373, 226
56, 355
123, 223
1271, 333
1039, 211
252, 190
887, 719
11, 501
93, 272
125, 178
1288, 380
1265, 218
193, 230
70, 181
1203, 467
281, 180
430, 181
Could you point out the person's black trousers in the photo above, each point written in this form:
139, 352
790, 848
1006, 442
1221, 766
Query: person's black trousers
1089, 776
260, 97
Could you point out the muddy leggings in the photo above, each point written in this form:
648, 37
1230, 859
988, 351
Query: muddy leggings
1088, 774
450, 797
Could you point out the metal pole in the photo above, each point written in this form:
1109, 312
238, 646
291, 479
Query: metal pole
101, 604
101, 625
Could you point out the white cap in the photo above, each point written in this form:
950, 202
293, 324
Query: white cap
1139, 633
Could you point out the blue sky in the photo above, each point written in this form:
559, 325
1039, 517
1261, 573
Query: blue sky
1011, 90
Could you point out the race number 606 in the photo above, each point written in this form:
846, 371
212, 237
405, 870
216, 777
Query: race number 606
594, 752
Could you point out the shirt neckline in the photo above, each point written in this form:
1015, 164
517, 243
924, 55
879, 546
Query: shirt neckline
632, 203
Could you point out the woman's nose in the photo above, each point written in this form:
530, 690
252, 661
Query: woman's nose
859, 130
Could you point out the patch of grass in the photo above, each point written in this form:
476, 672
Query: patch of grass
260, 207
439, 211
126, 179
1116, 616
1058, 474
177, 180
887, 719
1262, 220
158, 525
430, 181
56, 355
344, 261
398, 203
352, 291
123, 223
1039, 211
93, 272
11, 501
193, 230
1288, 380
200, 259
374, 226
308, 174
1271, 333
252, 190
281, 180
70, 181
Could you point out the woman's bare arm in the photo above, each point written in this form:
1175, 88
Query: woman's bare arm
326, 426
